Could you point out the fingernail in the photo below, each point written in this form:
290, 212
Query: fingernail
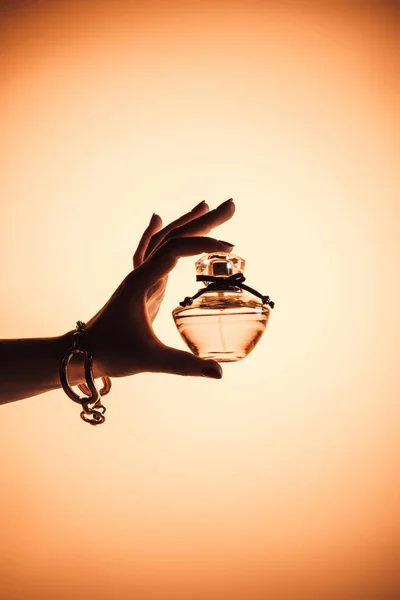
211, 372
227, 201
198, 205
153, 218
226, 243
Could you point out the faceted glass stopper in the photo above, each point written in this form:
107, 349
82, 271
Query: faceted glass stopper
221, 264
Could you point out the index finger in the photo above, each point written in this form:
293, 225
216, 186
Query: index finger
160, 236
205, 223
165, 258
201, 225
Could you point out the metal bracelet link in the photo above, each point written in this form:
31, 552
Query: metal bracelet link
93, 410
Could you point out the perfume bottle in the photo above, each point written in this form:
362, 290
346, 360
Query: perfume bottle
225, 320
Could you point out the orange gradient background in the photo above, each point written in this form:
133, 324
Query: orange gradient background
281, 481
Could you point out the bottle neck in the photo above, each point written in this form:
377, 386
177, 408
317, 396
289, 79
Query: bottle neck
221, 283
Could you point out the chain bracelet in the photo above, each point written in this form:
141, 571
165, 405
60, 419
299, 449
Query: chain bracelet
93, 410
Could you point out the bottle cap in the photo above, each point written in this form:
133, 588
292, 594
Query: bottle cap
221, 264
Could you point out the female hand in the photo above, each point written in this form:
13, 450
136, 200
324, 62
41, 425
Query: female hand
121, 335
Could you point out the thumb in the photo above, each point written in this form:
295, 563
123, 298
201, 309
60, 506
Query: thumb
178, 362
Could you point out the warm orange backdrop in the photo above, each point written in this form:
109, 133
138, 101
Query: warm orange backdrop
281, 481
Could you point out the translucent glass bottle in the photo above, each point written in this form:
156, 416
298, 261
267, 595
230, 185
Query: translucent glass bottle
222, 324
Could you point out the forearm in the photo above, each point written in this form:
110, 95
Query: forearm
29, 367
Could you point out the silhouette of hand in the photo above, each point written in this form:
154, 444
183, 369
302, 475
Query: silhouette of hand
121, 335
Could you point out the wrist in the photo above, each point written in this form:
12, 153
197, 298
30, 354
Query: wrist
76, 374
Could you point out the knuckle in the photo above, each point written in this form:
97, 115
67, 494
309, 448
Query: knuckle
133, 284
172, 244
155, 239
176, 232
153, 243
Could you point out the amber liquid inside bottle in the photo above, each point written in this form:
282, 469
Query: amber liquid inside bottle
222, 325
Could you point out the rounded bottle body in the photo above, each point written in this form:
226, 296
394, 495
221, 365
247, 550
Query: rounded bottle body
223, 325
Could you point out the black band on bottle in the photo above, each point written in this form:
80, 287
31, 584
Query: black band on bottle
225, 283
